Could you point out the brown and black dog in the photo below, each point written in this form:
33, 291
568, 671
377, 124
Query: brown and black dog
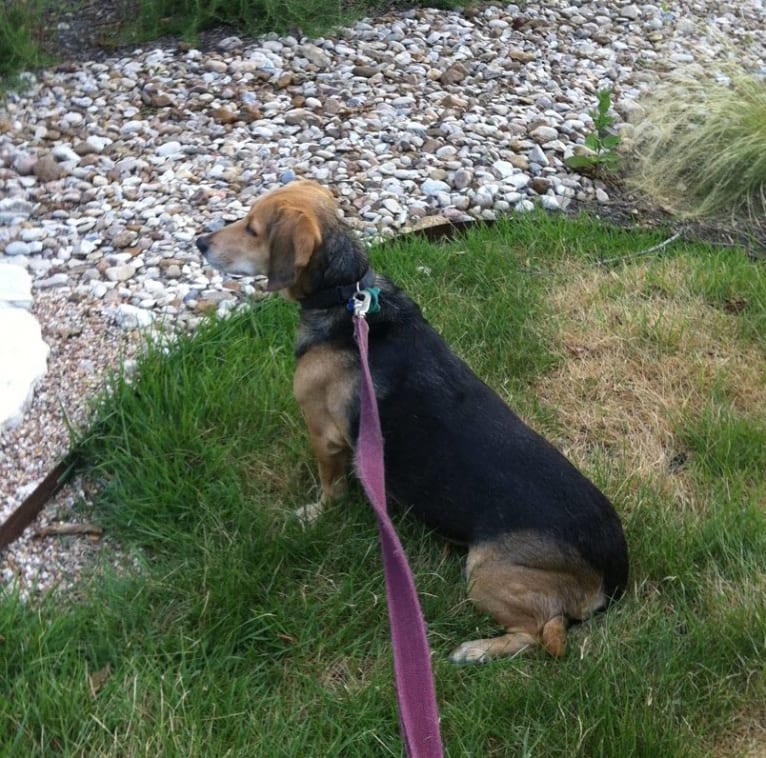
545, 546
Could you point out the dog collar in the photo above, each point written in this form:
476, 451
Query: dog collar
339, 295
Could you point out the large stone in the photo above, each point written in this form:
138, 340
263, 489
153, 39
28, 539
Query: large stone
434, 186
23, 363
543, 134
131, 317
15, 286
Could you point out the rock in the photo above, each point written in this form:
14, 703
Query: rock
17, 247
73, 118
169, 149
64, 153
543, 134
84, 148
631, 12
131, 317
31, 234
462, 179
522, 56
485, 196
537, 155
365, 71
299, 116
517, 181
23, 163
224, 115
55, 280
14, 209
15, 286
453, 75
123, 239
99, 144
315, 56
434, 186
47, 169
550, 203
25, 361
121, 273
502, 169
227, 44
216, 66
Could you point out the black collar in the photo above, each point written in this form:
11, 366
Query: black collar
339, 295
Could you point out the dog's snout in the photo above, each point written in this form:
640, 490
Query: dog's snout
203, 243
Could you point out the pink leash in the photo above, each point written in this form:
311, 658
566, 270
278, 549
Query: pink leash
418, 713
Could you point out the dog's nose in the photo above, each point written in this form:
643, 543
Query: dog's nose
203, 243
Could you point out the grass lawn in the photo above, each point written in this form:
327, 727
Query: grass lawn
238, 632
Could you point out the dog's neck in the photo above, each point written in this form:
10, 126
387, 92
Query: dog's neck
339, 263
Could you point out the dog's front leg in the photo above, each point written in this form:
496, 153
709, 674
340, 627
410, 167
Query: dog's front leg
333, 457
324, 387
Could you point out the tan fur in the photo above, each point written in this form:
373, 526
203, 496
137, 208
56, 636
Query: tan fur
323, 386
277, 237
531, 604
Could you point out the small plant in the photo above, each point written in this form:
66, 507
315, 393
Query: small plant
602, 142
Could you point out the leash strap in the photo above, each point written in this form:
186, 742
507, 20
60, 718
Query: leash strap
418, 713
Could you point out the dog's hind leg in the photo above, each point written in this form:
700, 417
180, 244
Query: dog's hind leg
532, 603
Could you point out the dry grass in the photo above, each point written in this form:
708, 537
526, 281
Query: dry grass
641, 352
700, 146
747, 738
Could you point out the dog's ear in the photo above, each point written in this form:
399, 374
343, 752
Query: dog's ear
292, 242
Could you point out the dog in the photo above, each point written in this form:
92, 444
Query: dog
545, 546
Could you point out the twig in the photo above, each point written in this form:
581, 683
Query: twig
53, 530
648, 251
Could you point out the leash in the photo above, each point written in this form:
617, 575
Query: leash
418, 712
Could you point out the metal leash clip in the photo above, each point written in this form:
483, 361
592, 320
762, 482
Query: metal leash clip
361, 301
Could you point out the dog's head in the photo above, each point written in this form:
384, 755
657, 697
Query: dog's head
277, 237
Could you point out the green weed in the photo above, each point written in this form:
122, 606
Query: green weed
602, 143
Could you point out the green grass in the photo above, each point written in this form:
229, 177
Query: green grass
20, 22
234, 631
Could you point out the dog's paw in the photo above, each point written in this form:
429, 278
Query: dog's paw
308, 514
474, 651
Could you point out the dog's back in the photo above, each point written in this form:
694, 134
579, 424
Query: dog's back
461, 460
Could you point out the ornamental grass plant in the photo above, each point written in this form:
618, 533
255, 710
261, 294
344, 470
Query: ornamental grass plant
700, 147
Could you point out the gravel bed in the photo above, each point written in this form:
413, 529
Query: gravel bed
110, 168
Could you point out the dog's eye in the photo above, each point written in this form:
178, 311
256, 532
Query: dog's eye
249, 230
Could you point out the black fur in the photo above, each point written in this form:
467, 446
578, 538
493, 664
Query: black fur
455, 454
